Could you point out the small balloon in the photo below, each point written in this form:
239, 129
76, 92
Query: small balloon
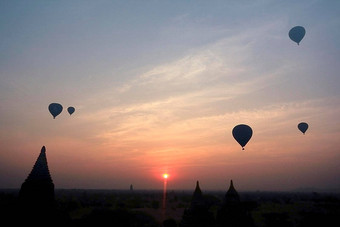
297, 33
242, 134
55, 109
303, 126
70, 110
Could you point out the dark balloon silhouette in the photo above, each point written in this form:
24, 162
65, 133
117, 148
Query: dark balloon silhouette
303, 126
55, 109
297, 33
242, 134
70, 110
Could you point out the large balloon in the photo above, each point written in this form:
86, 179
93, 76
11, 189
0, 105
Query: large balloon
297, 33
70, 110
303, 126
55, 109
242, 134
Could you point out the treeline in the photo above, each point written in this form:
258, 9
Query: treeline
126, 208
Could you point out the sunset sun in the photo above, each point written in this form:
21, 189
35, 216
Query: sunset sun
165, 176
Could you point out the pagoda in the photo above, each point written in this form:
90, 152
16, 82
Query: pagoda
37, 205
197, 201
198, 214
233, 213
38, 188
232, 195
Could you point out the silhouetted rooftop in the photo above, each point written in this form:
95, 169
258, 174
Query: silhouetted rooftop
38, 188
40, 171
197, 192
232, 195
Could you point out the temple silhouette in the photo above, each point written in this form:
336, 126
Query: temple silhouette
37, 203
231, 213
36, 195
198, 213
38, 188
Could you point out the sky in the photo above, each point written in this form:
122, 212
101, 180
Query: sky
158, 86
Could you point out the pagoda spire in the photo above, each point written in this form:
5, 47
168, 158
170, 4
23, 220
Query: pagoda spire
233, 212
232, 195
198, 213
40, 171
38, 188
197, 200
197, 192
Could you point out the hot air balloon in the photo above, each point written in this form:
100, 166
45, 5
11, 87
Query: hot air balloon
242, 134
303, 126
55, 109
297, 33
70, 110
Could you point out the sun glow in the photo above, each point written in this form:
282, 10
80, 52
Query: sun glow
165, 176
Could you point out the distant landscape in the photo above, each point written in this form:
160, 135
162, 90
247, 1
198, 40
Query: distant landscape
266, 208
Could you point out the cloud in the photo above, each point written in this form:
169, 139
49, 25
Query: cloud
215, 80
